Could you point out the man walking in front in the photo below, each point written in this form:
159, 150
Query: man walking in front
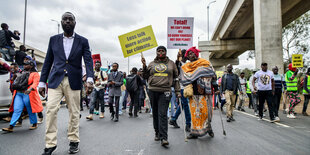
242, 96
115, 81
63, 70
229, 87
265, 90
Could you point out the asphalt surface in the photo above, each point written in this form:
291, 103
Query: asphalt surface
134, 136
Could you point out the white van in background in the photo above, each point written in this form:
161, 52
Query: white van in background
5, 93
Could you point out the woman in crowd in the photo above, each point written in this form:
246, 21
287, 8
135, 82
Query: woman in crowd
28, 98
161, 74
199, 78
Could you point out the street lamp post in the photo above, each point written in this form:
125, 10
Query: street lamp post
57, 24
208, 15
25, 15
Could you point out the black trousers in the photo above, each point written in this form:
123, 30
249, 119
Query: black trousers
160, 103
250, 100
276, 101
111, 101
134, 96
262, 97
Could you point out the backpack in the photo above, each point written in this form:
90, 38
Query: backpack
3, 41
21, 81
131, 82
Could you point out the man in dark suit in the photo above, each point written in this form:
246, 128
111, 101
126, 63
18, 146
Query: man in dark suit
115, 81
63, 70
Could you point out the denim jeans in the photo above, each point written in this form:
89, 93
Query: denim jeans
185, 106
173, 103
22, 100
97, 96
5, 53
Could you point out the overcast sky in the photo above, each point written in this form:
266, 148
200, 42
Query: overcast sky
101, 22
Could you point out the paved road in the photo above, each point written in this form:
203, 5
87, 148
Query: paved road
132, 136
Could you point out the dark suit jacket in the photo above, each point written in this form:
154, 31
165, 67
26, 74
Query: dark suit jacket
115, 90
56, 59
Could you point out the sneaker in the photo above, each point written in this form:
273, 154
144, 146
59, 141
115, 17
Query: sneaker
40, 121
49, 151
277, 119
101, 115
272, 120
242, 110
255, 113
260, 118
74, 147
33, 127
228, 119
18, 124
291, 116
211, 133
264, 115
164, 142
174, 123
232, 119
89, 117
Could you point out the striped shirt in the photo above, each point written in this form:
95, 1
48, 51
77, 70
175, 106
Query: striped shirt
279, 81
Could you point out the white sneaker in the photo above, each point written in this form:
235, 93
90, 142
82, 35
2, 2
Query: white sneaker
256, 114
264, 115
260, 119
277, 119
292, 116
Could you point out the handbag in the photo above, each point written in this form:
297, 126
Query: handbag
188, 91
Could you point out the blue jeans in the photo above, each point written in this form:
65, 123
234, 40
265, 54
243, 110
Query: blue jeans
184, 102
173, 102
121, 100
22, 100
5, 53
124, 102
97, 96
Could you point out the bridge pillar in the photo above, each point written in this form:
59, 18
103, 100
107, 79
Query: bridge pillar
268, 33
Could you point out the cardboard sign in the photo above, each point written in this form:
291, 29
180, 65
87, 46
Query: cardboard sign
297, 60
137, 41
219, 73
180, 32
96, 57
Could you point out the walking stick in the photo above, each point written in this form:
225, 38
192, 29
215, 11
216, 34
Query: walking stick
224, 132
185, 137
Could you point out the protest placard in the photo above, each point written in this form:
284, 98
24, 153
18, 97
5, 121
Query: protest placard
180, 32
297, 60
96, 57
137, 41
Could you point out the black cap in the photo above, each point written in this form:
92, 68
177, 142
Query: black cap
161, 48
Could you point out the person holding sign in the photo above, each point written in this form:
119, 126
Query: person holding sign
198, 77
292, 89
161, 74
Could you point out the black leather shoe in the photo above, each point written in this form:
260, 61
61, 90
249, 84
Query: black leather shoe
228, 119
116, 120
174, 123
49, 151
232, 119
74, 147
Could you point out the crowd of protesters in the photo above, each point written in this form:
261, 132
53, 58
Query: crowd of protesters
163, 88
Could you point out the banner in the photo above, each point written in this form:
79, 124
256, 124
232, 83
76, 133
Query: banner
219, 73
297, 60
137, 41
180, 32
96, 57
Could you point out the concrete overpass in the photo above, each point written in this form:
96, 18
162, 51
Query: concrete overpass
39, 55
252, 25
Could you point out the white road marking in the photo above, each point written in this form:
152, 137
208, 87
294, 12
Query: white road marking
141, 152
283, 125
